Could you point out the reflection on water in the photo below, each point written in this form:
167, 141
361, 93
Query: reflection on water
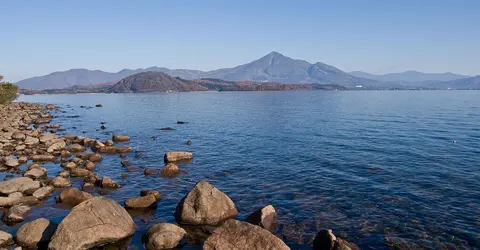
379, 168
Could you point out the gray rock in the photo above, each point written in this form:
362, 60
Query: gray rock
35, 234
95, 222
205, 205
60, 182
178, 156
163, 236
16, 213
236, 235
19, 184
6, 239
43, 192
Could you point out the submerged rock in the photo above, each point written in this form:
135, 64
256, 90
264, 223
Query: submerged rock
60, 182
264, 217
178, 156
19, 184
73, 196
141, 202
16, 213
120, 138
163, 236
150, 171
205, 205
236, 235
95, 222
155, 193
35, 234
96, 158
43, 192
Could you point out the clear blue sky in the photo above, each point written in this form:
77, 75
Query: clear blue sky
376, 36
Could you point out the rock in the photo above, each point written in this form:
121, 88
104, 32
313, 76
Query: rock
89, 166
35, 173
64, 174
93, 178
88, 187
11, 162
150, 171
44, 138
12, 201
205, 205
35, 234
56, 146
114, 150
120, 138
96, 158
178, 156
95, 222
99, 105
50, 106
16, 213
43, 158
109, 183
6, 239
189, 142
73, 196
30, 141
19, 184
123, 175
65, 154
126, 163
236, 235
167, 129
15, 195
70, 166
148, 201
76, 148
264, 217
22, 159
71, 137
326, 240
41, 121
20, 148
60, 182
43, 192
163, 236
79, 172
170, 170
108, 143
19, 136
156, 194
180, 122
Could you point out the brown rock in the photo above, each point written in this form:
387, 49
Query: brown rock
96, 158
65, 153
163, 236
73, 196
12, 201
16, 213
126, 163
170, 170
69, 166
43, 158
236, 235
99, 105
60, 182
79, 172
35, 234
150, 171
178, 156
326, 240
141, 202
205, 205
43, 192
95, 222
19, 184
76, 148
109, 183
189, 142
64, 174
35, 173
90, 165
264, 217
6, 239
120, 138
156, 194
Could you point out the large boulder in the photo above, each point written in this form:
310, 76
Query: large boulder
163, 236
205, 205
95, 222
35, 234
178, 156
6, 239
141, 202
264, 217
236, 235
15, 214
73, 196
19, 184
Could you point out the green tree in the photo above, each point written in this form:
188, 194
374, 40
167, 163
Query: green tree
8, 91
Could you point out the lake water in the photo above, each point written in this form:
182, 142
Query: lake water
374, 166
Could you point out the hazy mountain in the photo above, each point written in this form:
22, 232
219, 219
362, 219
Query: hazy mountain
273, 67
410, 76
465, 83
154, 82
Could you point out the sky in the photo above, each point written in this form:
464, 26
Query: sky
375, 36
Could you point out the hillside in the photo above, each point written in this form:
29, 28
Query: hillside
410, 76
154, 82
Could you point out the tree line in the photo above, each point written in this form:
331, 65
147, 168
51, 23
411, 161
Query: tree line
8, 91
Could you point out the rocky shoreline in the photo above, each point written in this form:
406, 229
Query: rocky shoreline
28, 139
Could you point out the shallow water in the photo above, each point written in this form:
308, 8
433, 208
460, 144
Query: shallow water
369, 165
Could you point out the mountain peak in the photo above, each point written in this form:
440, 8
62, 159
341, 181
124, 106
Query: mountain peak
274, 53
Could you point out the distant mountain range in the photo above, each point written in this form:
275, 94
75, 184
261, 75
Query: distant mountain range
273, 67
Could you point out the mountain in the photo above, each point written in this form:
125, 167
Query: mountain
273, 67
154, 82
410, 76
466, 83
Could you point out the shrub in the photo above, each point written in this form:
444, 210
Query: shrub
8, 91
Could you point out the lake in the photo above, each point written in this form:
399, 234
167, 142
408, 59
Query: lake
377, 167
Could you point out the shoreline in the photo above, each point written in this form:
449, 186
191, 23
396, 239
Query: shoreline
28, 139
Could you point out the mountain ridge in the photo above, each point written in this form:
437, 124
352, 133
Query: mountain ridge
411, 76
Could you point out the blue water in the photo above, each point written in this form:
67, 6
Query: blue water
368, 165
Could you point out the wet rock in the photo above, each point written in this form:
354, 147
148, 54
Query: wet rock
126, 163
6, 239
236, 235
120, 138
89, 166
123, 175
43, 158
114, 150
150, 171
108, 143
60, 182
264, 217
43, 192
70, 166
148, 201
35, 234
12, 201
11, 162
96, 158
109, 183
19, 184
35, 173
50, 106
56, 146
170, 170
76, 148
39, 121
189, 142
326, 240
64, 174
79, 172
16, 213
205, 205
22, 159
93, 178
156, 194
107, 222
180, 122
78, 161
167, 129
178, 156
99, 105
73, 196
88, 187
44, 138
163, 236
71, 137
65, 154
